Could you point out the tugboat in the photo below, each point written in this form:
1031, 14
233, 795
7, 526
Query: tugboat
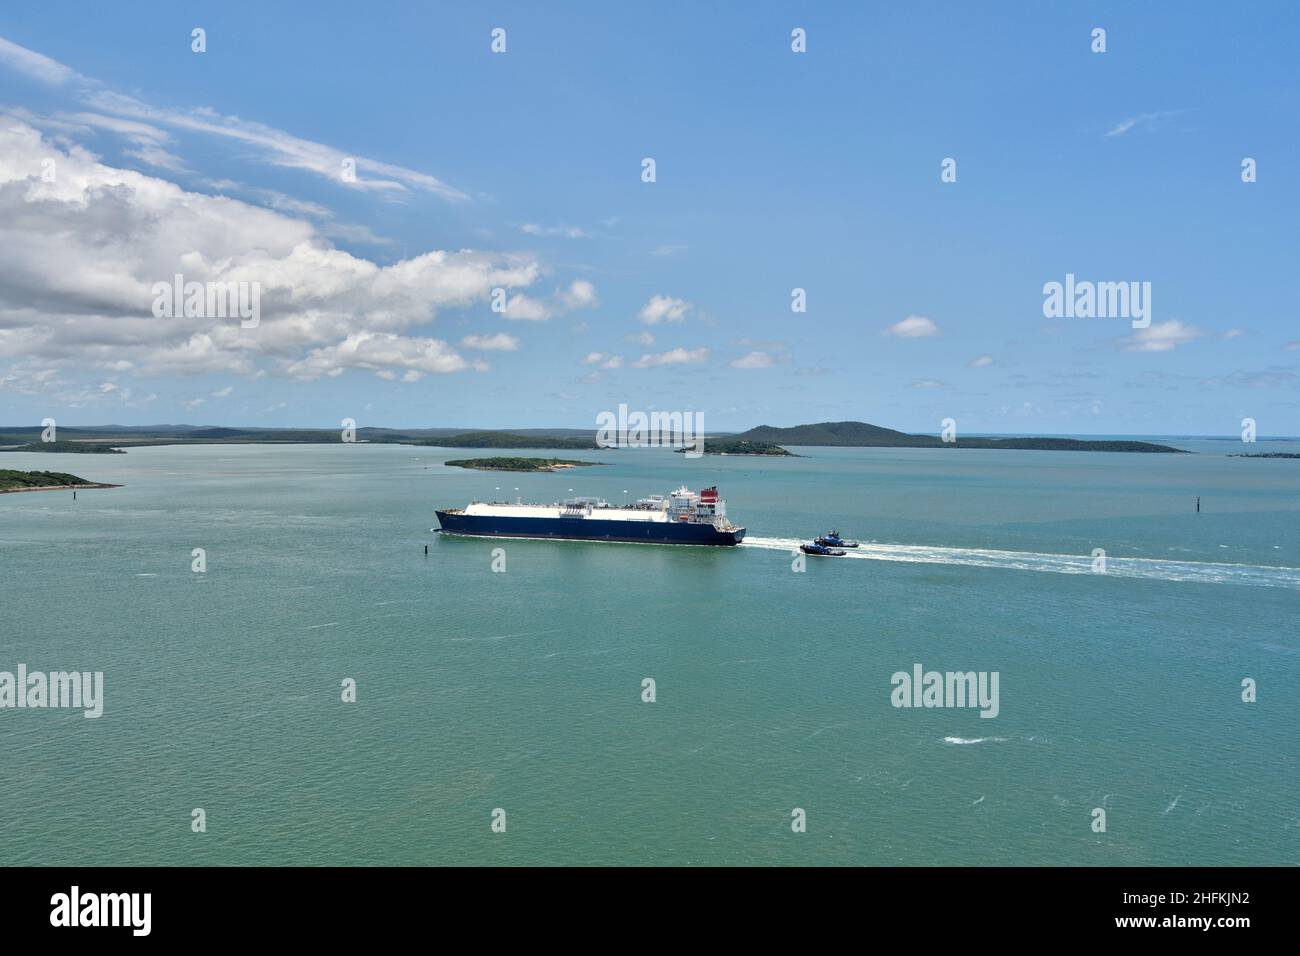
832, 539
818, 548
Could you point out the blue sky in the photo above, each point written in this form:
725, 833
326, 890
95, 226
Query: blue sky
775, 170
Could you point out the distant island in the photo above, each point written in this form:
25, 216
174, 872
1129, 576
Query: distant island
44, 481
1266, 454
862, 435
519, 464
742, 446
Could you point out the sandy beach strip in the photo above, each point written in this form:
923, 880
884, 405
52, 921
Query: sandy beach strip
11, 491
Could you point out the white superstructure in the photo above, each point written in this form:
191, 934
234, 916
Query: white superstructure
682, 505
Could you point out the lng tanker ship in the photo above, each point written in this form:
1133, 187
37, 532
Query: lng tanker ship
680, 518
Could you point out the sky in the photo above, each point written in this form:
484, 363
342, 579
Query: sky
126, 158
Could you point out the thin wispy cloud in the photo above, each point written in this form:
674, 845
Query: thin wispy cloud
279, 148
271, 145
756, 359
561, 232
1147, 121
272, 198
293, 206
149, 144
37, 66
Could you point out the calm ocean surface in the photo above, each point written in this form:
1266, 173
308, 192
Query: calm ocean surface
522, 690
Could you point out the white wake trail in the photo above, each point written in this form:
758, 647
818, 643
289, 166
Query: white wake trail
1155, 568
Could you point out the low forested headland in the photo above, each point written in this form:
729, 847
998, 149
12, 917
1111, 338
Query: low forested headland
742, 446
519, 464
116, 438
68, 447
44, 481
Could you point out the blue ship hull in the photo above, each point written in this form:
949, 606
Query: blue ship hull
588, 529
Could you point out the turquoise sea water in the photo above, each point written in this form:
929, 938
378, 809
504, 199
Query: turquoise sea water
522, 690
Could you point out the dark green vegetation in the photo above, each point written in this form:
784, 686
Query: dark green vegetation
110, 437
117, 436
1267, 454
519, 464
862, 435
68, 447
844, 434
31, 480
508, 440
741, 446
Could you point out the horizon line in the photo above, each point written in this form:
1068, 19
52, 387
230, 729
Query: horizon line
535, 428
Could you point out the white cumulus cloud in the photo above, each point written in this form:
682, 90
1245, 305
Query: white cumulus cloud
1160, 337
677, 356
662, 308
79, 258
521, 308
913, 327
491, 343
383, 353
581, 294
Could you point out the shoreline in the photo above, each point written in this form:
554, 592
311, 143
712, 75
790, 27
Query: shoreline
83, 487
521, 471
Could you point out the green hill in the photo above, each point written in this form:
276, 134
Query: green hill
845, 434
862, 435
